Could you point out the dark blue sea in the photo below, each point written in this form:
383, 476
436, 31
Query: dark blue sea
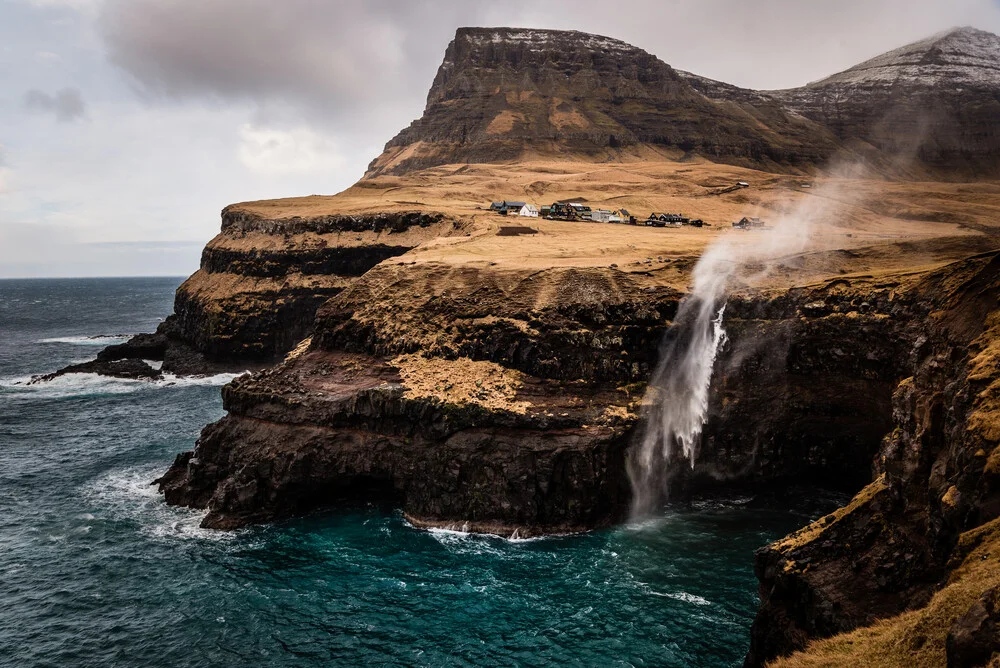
95, 570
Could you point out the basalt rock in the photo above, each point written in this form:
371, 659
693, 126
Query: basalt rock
333, 428
134, 369
570, 350
261, 281
892, 547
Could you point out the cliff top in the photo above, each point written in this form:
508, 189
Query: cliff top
539, 38
886, 226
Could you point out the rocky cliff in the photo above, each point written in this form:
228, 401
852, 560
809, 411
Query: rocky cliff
504, 93
904, 542
516, 394
262, 279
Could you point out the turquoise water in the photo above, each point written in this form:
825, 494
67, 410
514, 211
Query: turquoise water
96, 571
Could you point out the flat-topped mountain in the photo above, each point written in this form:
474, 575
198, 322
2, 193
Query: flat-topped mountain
504, 93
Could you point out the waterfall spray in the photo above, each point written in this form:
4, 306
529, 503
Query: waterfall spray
675, 407
676, 402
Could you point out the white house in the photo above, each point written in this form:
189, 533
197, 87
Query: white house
601, 216
529, 211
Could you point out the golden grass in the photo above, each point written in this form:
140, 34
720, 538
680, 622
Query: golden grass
866, 227
813, 531
461, 381
915, 638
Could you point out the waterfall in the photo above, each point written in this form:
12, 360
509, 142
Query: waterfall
676, 402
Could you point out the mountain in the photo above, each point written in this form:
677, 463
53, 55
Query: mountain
503, 93
936, 100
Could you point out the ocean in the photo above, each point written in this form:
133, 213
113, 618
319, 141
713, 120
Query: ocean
95, 570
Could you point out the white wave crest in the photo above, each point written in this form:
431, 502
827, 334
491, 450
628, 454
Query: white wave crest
101, 340
92, 384
128, 494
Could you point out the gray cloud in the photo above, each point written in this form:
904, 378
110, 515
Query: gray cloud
333, 62
67, 104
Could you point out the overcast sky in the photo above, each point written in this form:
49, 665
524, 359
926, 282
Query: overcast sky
126, 125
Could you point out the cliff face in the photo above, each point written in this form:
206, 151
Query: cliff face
503, 92
262, 279
506, 401
497, 401
908, 534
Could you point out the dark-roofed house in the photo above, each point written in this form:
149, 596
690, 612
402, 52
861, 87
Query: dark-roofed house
505, 207
748, 222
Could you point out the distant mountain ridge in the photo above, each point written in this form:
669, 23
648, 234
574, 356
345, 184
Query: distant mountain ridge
507, 93
935, 103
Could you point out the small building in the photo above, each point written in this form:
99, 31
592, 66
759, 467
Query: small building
626, 216
748, 223
655, 220
528, 211
505, 207
601, 215
675, 219
697, 222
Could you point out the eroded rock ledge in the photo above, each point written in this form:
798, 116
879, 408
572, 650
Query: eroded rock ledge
506, 400
514, 453
260, 283
901, 549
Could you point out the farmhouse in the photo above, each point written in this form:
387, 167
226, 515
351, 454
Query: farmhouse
602, 216
505, 207
528, 211
747, 223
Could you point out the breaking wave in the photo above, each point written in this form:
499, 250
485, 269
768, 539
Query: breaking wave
128, 494
100, 340
92, 384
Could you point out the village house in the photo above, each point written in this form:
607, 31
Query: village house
505, 207
747, 223
601, 215
528, 211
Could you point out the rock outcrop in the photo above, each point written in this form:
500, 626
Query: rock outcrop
453, 388
261, 281
894, 545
